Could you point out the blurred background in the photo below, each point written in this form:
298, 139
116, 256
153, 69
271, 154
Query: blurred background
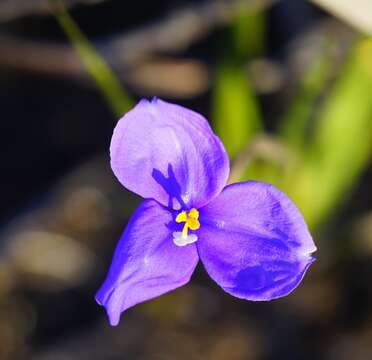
287, 85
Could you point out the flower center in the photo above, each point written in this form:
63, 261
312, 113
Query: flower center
191, 222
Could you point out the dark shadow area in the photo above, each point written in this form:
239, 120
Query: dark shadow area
170, 185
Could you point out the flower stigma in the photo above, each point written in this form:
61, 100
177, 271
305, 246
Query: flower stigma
182, 238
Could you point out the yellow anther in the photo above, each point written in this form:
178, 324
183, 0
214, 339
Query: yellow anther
181, 217
190, 219
193, 224
194, 214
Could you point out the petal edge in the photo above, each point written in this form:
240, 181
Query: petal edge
169, 153
146, 262
254, 242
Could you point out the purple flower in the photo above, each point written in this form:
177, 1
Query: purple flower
250, 237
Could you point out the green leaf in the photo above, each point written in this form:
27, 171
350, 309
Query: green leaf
295, 124
107, 82
235, 110
248, 32
342, 143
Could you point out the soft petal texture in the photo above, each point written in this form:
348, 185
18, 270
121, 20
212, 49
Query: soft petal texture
169, 153
146, 262
254, 242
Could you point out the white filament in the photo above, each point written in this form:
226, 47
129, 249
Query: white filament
179, 240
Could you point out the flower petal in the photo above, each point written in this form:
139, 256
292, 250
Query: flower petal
169, 153
146, 262
254, 242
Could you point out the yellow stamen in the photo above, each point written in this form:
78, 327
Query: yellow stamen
190, 219
181, 217
194, 214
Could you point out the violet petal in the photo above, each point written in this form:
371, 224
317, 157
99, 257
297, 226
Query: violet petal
169, 153
254, 242
146, 262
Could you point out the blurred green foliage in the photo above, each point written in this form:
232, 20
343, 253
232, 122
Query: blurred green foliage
322, 149
296, 121
234, 103
235, 110
117, 99
317, 156
341, 143
321, 161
